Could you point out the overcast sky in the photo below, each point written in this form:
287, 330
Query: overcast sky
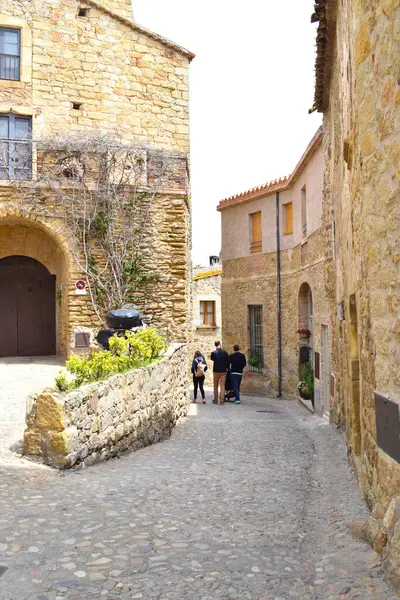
252, 83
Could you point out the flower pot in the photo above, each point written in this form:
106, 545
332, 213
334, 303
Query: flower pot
305, 394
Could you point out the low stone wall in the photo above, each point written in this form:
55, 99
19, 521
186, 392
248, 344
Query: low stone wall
100, 420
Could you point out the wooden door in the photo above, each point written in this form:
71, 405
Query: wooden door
27, 293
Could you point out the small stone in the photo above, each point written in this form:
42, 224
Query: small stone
80, 574
255, 569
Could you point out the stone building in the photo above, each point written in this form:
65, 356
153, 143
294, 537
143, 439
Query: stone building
85, 68
250, 272
357, 90
206, 311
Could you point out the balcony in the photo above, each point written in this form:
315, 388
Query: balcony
10, 67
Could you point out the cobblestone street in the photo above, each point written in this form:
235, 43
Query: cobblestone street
19, 377
243, 502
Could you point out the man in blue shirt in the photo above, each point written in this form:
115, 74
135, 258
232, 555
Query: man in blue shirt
237, 362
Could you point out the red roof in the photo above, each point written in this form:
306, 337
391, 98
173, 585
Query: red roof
275, 185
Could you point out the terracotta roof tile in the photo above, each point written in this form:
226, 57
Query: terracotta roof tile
276, 184
325, 15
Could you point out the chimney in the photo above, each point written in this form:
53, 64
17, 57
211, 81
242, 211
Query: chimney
214, 260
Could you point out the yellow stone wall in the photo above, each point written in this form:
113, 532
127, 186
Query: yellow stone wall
205, 286
252, 280
362, 145
131, 85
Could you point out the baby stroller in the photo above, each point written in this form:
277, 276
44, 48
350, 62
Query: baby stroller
229, 395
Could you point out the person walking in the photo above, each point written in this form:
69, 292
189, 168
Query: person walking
199, 367
220, 359
237, 362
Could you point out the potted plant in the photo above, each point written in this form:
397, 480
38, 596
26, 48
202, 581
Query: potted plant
256, 362
306, 383
306, 333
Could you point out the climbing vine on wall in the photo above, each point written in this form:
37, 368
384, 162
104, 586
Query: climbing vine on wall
104, 191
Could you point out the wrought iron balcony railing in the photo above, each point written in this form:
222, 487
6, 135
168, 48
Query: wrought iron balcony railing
15, 159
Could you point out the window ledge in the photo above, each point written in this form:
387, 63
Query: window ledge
11, 83
206, 327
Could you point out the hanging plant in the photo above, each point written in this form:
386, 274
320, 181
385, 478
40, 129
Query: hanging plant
305, 332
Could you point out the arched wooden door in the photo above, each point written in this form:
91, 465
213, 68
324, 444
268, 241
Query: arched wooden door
27, 308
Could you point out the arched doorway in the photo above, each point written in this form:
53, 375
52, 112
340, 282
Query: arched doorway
306, 355
27, 308
306, 320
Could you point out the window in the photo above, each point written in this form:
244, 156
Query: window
255, 232
304, 210
15, 147
256, 358
10, 53
83, 12
207, 313
288, 218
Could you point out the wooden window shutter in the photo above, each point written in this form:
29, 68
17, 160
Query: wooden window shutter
256, 232
289, 218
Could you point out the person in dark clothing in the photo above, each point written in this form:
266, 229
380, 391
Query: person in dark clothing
237, 362
220, 359
199, 367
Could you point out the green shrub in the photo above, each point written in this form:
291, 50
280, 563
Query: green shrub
62, 383
306, 382
257, 362
136, 350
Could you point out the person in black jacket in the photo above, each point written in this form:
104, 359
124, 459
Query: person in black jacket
221, 362
199, 367
237, 362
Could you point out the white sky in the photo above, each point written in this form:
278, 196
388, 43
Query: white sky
252, 83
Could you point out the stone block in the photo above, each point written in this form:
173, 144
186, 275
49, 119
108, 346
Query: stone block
32, 442
362, 44
50, 413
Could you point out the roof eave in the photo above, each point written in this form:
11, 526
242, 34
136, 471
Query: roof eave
136, 27
276, 185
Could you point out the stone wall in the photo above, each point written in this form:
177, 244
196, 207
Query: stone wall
130, 84
103, 419
361, 196
206, 285
252, 280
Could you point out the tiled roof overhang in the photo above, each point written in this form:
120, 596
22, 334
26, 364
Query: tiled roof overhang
325, 15
277, 185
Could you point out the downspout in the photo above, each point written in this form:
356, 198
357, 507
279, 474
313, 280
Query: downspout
279, 294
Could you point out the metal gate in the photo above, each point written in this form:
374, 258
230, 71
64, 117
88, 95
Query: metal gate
256, 337
27, 308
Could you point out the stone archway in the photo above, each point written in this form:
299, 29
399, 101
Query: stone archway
45, 252
306, 320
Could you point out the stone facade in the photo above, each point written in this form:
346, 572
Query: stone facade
206, 286
358, 92
100, 420
250, 279
88, 68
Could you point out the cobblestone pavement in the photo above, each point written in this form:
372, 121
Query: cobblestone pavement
18, 378
245, 502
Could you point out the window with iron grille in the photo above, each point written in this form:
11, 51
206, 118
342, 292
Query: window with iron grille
10, 54
256, 358
15, 147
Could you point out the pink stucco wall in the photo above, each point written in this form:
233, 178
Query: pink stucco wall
235, 219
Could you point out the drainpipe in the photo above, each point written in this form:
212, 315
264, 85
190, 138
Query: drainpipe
279, 294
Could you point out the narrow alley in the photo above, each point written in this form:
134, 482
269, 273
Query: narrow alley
242, 502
